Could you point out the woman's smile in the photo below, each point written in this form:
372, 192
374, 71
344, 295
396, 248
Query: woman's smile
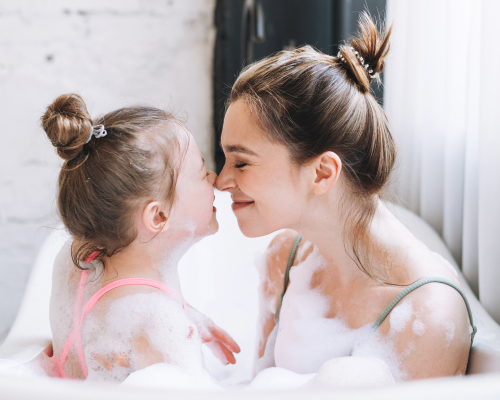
239, 204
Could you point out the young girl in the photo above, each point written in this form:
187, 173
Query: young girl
134, 194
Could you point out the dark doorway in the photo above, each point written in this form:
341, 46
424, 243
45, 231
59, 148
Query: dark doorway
248, 30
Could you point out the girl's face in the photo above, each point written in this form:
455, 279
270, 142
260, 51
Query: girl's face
193, 207
268, 192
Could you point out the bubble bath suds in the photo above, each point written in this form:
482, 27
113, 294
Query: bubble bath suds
306, 341
418, 327
306, 349
450, 332
154, 319
267, 309
130, 332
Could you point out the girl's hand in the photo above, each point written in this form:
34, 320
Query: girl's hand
217, 340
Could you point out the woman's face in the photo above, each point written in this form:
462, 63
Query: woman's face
268, 192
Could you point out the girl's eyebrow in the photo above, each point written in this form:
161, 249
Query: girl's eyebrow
238, 149
202, 162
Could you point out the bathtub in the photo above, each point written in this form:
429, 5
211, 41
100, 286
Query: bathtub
219, 278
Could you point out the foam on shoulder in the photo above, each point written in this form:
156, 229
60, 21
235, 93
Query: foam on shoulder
139, 330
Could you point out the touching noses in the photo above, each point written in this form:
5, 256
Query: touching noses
225, 181
212, 177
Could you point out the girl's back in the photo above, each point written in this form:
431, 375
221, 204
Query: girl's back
129, 328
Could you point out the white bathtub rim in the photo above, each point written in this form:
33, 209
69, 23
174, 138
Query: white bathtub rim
478, 386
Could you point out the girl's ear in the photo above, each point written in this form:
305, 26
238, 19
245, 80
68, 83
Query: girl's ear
327, 167
154, 217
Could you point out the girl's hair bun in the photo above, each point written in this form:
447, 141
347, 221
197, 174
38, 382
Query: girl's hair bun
67, 124
364, 54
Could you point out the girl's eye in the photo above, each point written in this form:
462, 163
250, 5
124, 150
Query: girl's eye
240, 165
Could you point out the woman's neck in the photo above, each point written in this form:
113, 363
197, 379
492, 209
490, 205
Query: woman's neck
327, 228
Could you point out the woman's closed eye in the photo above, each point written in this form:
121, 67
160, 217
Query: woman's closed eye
240, 165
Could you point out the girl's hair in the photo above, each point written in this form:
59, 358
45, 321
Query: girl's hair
103, 183
311, 102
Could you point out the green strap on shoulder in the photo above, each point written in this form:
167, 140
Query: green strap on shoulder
391, 306
416, 285
289, 263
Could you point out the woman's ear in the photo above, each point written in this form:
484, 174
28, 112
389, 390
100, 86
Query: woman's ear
154, 217
327, 168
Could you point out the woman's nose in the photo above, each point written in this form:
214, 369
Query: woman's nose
225, 181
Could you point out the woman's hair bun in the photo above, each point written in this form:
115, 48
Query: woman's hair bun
363, 55
67, 124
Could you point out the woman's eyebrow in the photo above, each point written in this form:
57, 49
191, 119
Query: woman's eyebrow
238, 149
202, 162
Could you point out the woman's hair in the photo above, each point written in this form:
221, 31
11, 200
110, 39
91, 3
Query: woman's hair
104, 181
311, 103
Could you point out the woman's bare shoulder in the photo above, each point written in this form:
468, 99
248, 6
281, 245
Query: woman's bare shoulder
280, 248
430, 330
276, 259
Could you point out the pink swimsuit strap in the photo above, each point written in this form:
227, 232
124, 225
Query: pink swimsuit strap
80, 315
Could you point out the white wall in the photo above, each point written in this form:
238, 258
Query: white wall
113, 53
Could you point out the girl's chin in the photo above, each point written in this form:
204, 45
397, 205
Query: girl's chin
212, 227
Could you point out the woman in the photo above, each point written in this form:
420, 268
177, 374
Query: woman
309, 149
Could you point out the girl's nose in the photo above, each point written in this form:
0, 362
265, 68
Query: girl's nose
212, 176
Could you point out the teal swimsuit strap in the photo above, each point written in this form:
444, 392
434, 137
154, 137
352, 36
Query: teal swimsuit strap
416, 285
289, 263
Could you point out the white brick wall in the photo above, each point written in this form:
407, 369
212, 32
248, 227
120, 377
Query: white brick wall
113, 53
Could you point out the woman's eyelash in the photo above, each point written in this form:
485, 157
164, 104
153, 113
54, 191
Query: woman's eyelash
240, 165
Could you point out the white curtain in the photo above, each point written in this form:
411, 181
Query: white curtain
442, 98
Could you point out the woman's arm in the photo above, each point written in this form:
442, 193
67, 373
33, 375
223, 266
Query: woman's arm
271, 284
272, 280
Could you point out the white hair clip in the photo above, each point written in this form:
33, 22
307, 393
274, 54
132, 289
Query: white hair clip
98, 131
361, 60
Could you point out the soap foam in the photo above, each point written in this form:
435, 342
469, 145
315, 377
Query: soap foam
306, 339
418, 327
275, 378
401, 315
112, 333
449, 332
161, 320
337, 373
267, 309
267, 360
349, 372
171, 377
